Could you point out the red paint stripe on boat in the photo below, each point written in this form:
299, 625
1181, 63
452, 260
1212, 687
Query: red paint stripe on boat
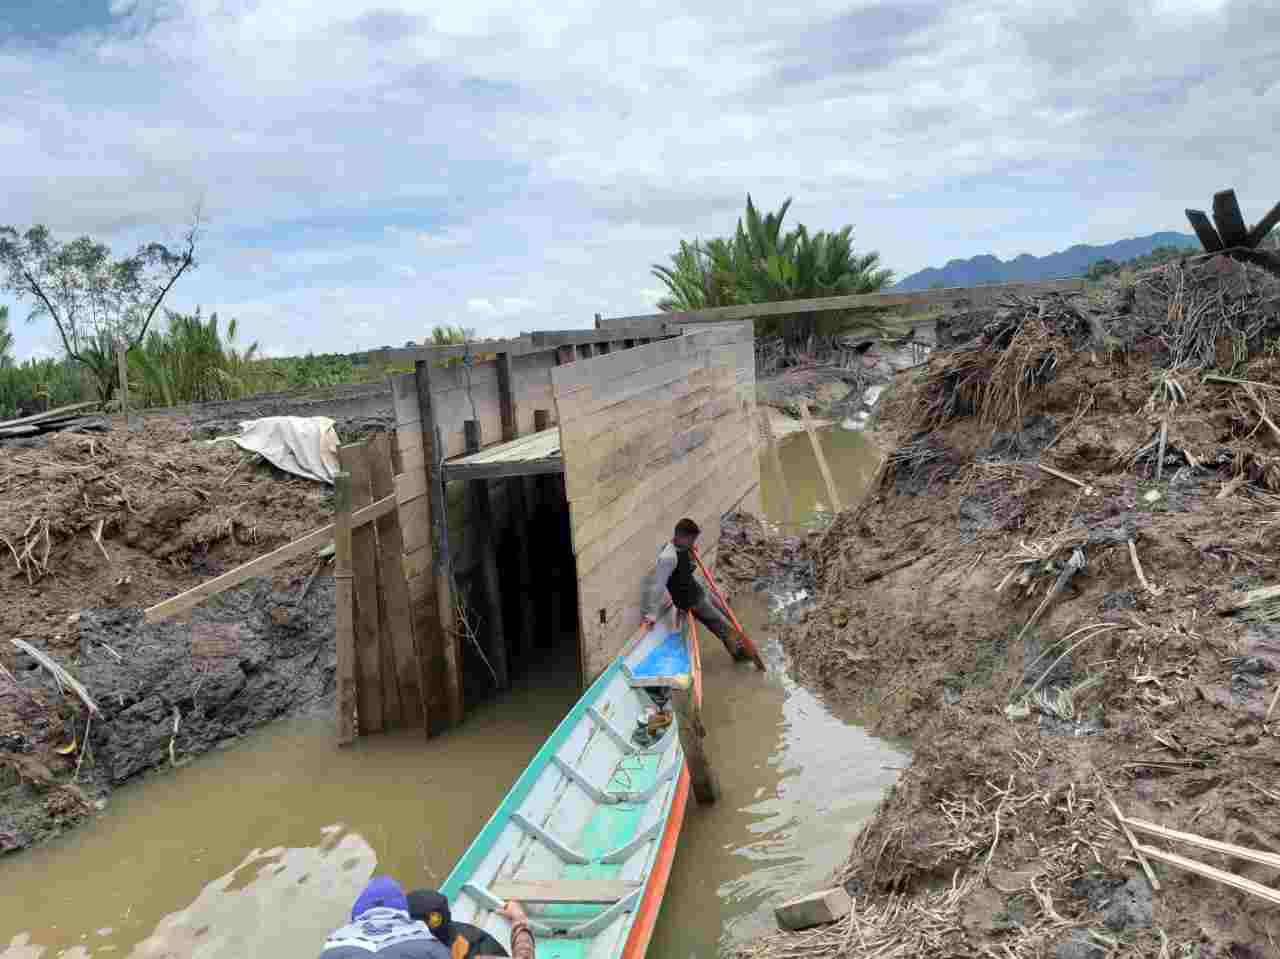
647, 915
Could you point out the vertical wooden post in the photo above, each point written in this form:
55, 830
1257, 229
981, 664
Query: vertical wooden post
346, 639
410, 665
541, 420
548, 588
507, 399
564, 354
783, 489
122, 367
821, 457
484, 533
443, 565
702, 778
376, 701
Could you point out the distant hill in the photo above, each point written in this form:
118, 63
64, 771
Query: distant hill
1074, 261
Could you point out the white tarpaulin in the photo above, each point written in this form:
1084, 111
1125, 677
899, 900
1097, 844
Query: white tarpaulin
302, 445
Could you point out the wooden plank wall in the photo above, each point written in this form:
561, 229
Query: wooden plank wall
649, 435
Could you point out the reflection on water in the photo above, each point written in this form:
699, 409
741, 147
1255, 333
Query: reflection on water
853, 460
260, 849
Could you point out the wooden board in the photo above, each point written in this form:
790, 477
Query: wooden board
396, 617
263, 564
371, 703
1205, 231
594, 891
1228, 219
1264, 226
344, 630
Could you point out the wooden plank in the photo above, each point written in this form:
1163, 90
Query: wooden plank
443, 571
612, 369
480, 524
833, 493
408, 486
416, 563
404, 399
396, 617
256, 567
656, 323
482, 471
372, 703
1264, 226
518, 514
1205, 231
345, 679
506, 398
779, 473
560, 891
541, 420
53, 414
1228, 219
415, 524
1228, 849
1265, 893
674, 399
588, 402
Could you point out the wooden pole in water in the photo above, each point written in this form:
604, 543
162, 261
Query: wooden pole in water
702, 778
785, 491
483, 527
822, 459
346, 637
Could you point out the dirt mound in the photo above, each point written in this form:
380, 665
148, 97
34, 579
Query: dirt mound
92, 530
1036, 592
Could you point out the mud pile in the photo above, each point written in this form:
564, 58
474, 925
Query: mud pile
1044, 591
92, 530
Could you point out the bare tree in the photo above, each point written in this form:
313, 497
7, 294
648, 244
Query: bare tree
93, 300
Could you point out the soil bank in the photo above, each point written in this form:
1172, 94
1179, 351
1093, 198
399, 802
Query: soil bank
994, 612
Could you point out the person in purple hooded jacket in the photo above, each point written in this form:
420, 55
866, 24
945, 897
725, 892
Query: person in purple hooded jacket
381, 926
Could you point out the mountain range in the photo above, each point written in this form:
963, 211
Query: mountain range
1073, 261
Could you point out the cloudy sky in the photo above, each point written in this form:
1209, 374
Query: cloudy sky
369, 168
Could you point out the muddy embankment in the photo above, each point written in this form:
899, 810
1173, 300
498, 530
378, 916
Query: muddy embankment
93, 529
1042, 592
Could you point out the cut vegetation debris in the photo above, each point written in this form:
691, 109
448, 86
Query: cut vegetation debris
1052, 637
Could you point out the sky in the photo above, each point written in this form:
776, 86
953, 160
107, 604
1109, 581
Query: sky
367, 169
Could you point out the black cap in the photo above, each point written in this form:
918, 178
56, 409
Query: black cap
432, 908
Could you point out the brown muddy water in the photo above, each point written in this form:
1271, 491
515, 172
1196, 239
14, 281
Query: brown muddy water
258, 850
853, 461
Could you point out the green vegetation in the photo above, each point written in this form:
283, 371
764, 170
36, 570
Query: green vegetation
95, 302
762, 264
1161, 254
39, 385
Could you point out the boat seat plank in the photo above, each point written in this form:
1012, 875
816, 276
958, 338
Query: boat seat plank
563, 850
597, 891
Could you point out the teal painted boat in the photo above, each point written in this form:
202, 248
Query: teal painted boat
585, 837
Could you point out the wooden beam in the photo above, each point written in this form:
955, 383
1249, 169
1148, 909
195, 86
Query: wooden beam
518, 514
541, 420
506, 399
410, 668
1230, 850
443, 565
832, 491
656, 323
59, 412
501, 470
345, 638
1265, 893
1205, 231
1264, 226
373, 703
1228, 219
480, 524
256, 567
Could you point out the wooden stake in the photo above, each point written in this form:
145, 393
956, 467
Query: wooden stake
451, 639
1205, 231
1218, 875
702, 778
1269, 859
346, 637
377, 700
1064, 476
1164, 437
784, 490
481, 508
506, 399
822, 459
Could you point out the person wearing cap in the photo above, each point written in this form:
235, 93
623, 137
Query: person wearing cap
381, 926
674, 574
463, 939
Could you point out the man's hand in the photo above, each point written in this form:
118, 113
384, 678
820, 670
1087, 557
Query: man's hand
513, 912
648, 621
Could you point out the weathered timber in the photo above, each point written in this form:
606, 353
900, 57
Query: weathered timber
480, 522
442, 570
518, 511
832, 492
702, 778
1228, 219
766, 429
816, 909
397, 617
373, 704
346, 640
506, 398
1264, 227
1205, 232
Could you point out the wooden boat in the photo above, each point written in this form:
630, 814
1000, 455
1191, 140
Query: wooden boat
586, 836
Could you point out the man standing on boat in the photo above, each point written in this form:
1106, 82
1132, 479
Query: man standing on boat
674, 573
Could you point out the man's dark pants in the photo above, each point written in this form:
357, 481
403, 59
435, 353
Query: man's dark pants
709, 615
